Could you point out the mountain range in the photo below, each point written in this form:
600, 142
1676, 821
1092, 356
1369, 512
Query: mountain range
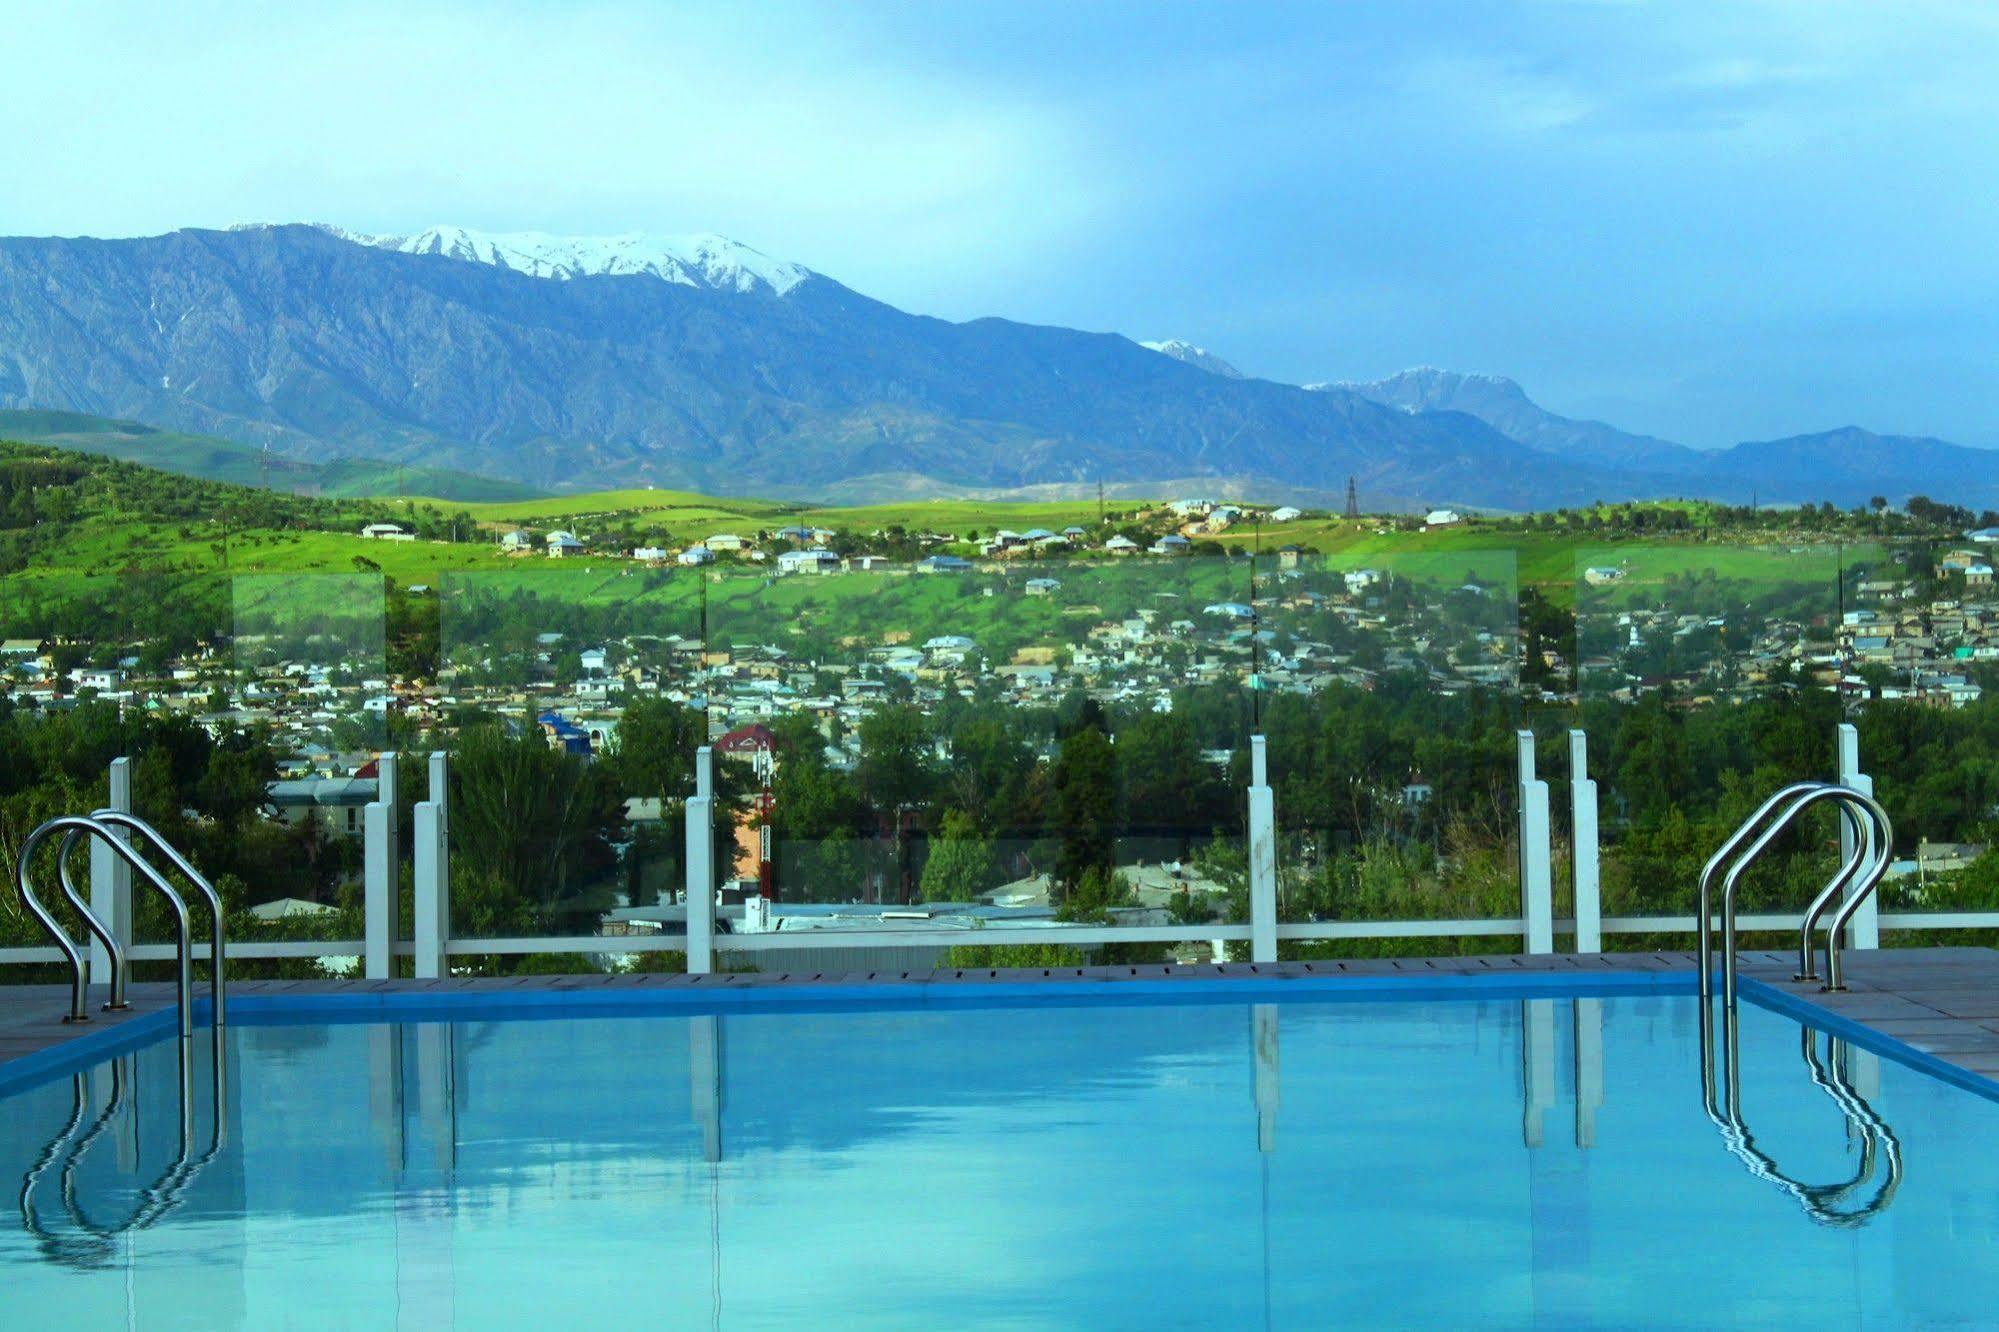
699, 363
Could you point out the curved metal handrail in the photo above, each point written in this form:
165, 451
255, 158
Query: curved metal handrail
1822, 1202
118, 818
1704, 921
80, 967
113, 949
1866, 838
1733, 880
79, 960
1877, 852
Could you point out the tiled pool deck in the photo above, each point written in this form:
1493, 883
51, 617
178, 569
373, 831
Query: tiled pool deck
1943, 1002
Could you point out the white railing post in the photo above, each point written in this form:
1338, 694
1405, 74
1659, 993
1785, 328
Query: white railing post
440, 795
431, 892
1866, 926
1585, 852
111, 877
378, 890
700, 896
700, 888
1537, 879
1262, 857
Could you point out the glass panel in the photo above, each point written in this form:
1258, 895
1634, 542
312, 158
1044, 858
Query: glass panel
1919, 648
1013, 743
1707, 675
568, 702
1391, 701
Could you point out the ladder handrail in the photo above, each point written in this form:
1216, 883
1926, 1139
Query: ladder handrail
79, 964
1733, 880
118, 818
1704, 919
79, 961
1873, 850
1866, 837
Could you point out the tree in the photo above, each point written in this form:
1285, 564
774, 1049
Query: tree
1085, 807
961, 863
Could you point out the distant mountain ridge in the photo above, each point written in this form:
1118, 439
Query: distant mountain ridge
696, 363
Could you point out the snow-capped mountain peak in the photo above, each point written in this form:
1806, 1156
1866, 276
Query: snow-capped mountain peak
701, 260
1198, 357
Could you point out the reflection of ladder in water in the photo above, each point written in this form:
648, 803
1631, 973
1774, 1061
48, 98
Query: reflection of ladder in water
87, 1243
105, 826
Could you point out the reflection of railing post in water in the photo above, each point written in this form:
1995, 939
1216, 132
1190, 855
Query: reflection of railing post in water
385, 1091
1263, 1051
1537, 1067
1537, 880
704, 1080
1588, 1017
1866, 923
111, 875
425, 1263
1585, 853
700, 888
1262, 857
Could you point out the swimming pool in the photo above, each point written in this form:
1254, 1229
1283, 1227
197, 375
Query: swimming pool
1237, 1156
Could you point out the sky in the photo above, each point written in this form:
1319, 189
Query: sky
1706, 221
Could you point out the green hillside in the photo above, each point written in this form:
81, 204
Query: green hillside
213, 459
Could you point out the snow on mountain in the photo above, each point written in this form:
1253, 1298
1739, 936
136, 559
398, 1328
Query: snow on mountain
704, 260
1198, 357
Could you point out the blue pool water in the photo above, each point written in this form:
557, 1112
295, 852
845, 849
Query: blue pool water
1302, 1164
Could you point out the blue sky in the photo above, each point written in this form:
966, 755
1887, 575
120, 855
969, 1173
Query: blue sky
1708, 221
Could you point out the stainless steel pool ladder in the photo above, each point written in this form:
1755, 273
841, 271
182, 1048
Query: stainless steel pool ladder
75, 828
1857, 877
1880, 1149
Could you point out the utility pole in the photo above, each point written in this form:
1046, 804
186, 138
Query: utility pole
1100, 499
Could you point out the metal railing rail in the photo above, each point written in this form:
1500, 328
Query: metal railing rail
75, 827
218, 944
1857, 876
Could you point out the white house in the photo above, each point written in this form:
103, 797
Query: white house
561, 544
1286, 514
1360, 580
386, 532
1121, 545
695, 555
1443, 518
652, 554
1171, 544
1603, 575
807, 561
723, 542
594, 661
1042, 587
516, 540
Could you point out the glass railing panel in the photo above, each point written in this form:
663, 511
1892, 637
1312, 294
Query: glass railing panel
569, 702
1919, 653
1017, 743
1391, 696
1708, 676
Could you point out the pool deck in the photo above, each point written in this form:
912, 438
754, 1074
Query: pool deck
1941, 1002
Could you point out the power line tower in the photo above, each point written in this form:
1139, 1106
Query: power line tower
264, 467
1353, 498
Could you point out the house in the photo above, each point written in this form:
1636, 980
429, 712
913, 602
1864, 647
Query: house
594, 661
1074, 533
1286, 514
652, 554
561, 544
1121, 545
564, 734
726, 543
386, 532
335, 803
516, 540
867, 563
807, 561
1289, 556
1042, 587
695, 555
943, 564
1442, 518
1985, 536
1358, 581
1603, 575
1978, 574
103, 679
1172, 544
